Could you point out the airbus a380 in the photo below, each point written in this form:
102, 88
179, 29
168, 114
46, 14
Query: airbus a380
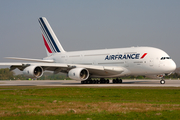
104, 63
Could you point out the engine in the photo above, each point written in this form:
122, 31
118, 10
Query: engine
33, 71
78, 74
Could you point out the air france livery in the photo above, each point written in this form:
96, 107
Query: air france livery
95, 66
125, 56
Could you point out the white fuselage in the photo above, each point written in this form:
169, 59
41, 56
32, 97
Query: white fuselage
133, 60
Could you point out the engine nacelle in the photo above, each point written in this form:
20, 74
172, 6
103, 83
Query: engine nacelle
33, 71
78, 74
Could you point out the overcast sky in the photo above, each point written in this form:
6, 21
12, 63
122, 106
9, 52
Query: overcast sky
86, 25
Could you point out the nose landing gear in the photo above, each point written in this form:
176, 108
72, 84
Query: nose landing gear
162, 81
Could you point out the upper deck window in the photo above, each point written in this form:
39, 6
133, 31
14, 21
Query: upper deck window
163, 58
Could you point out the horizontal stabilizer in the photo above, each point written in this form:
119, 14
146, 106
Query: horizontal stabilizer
28, 59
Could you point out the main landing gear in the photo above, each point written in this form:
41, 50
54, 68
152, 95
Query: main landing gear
117, 80
101, 81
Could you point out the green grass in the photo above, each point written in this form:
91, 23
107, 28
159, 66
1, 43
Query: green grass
173, 115
29, 102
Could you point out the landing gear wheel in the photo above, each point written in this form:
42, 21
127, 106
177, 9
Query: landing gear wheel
107, 81
162, 81
120, 81
98, 81
114, 81
102, 80
88, 81
117, 80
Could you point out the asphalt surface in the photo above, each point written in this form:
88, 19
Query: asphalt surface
138, 83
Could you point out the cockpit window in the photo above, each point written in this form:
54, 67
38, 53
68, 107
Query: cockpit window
163, 58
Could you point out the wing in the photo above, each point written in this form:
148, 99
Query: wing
94, 70
28, 59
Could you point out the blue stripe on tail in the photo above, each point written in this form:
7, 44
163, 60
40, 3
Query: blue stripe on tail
51, 38
48, 40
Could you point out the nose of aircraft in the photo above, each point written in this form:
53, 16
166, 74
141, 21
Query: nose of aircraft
172, 66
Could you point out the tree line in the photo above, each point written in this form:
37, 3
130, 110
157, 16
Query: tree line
6, 74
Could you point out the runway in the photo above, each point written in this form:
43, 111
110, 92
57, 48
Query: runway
130, 83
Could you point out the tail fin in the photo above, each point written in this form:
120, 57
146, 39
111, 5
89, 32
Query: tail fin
51, 42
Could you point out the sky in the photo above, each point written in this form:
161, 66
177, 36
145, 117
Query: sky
87, 25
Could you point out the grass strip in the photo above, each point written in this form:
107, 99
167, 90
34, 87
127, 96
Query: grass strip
30, 102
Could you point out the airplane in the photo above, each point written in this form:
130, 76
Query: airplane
95, 66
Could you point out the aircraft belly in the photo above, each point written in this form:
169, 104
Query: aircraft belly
106, 76
102, 73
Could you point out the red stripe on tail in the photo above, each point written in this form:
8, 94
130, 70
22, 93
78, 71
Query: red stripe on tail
47, 46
